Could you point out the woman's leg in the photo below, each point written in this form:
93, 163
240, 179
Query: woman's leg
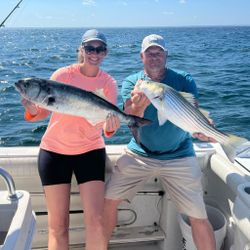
92, 196
90, 173
55, 173
58, 199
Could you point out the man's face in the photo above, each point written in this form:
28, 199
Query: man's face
154, 58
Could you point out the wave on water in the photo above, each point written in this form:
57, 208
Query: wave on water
219, 68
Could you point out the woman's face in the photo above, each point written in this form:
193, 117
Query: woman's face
94, 52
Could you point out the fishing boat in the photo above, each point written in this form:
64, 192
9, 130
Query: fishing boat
150, 221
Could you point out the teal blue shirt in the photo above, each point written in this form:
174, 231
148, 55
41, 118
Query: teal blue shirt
167, 141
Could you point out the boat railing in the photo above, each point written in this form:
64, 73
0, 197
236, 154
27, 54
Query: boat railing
10, 184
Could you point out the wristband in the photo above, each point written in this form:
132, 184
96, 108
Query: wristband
108, 134
28, 116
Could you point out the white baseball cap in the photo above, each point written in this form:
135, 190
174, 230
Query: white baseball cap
153, 40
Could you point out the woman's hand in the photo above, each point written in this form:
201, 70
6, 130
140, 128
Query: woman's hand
29, 106
111, 125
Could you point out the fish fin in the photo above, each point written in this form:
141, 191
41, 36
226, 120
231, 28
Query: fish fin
205, 112
161, 118
100, 93
230, 147
189, 97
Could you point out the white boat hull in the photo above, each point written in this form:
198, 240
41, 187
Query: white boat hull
17, 222
150, 221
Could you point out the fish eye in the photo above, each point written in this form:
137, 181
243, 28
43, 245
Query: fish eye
156, 97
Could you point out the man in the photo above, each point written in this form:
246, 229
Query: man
166, 149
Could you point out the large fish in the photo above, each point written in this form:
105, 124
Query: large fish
66, 99
179, 108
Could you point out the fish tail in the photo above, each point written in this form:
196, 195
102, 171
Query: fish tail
231, 145
134, 125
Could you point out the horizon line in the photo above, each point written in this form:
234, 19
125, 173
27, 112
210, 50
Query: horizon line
135, 27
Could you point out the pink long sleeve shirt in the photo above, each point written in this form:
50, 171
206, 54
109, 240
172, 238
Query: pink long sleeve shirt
71, 135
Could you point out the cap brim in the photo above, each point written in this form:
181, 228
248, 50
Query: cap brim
153, 44
94, 39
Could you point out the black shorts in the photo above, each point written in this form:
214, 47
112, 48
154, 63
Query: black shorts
58, 168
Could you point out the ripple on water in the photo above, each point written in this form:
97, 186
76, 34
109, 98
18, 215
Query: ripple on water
220, 69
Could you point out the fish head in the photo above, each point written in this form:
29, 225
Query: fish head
151, 89
31, 89
156, 93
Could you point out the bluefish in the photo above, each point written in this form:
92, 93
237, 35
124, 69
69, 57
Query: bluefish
67, 99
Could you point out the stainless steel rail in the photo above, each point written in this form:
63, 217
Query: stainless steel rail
10, 184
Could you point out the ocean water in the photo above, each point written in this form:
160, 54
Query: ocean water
218, 58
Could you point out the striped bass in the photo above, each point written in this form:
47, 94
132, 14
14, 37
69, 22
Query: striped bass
179, 108
58, 97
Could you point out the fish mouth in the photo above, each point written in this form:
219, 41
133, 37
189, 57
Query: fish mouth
19, 86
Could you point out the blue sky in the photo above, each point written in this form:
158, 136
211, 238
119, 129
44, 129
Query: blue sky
125, 13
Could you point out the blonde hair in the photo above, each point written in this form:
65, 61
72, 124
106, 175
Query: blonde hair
80, 57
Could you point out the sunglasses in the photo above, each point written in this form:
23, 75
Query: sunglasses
91, 49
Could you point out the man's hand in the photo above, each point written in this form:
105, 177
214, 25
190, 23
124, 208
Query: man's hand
138, 102
203, 137
139, 99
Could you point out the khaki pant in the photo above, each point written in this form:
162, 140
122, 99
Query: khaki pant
181, 179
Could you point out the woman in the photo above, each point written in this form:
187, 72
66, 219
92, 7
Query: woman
73, 145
